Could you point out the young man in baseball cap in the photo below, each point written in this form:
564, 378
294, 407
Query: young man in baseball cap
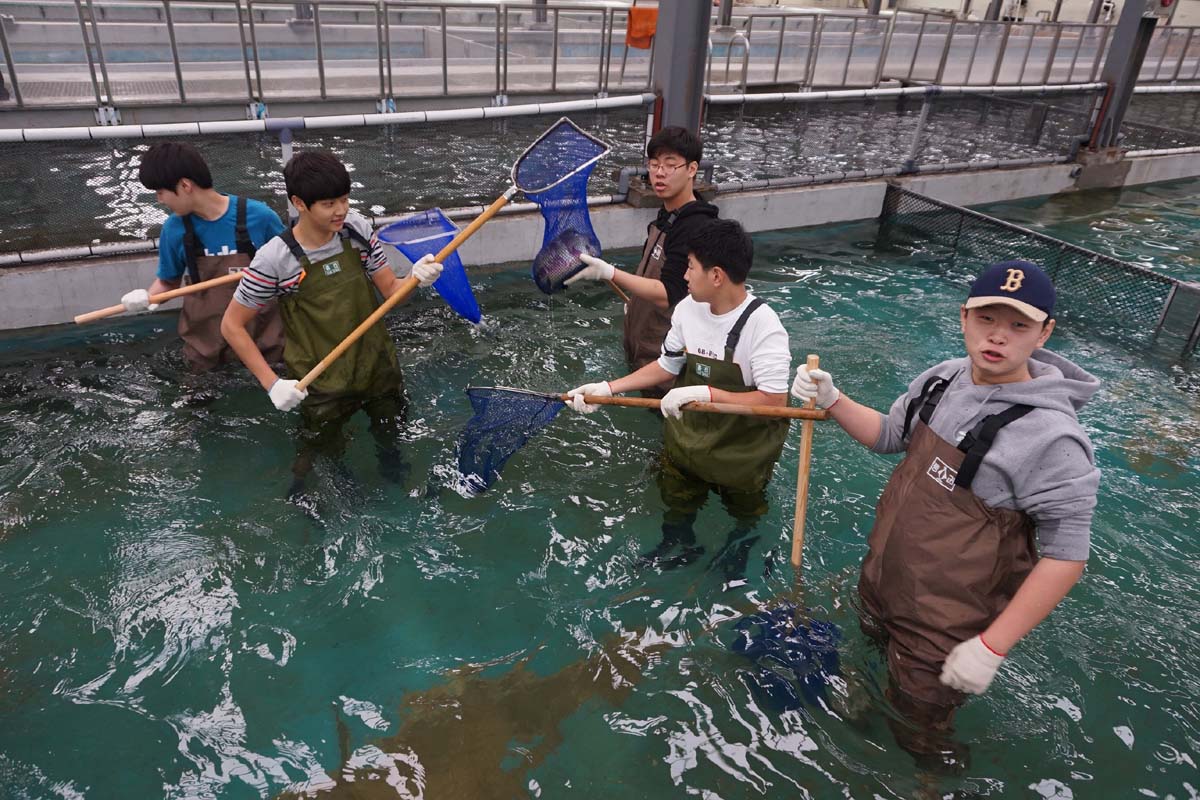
985, 525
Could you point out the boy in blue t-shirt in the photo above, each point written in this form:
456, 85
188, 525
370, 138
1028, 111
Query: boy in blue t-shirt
208, 235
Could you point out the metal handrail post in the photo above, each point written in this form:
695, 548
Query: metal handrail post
12, 68
917, 47
1075, 57
504, 91
849, 52
819, 34
883, 51
87, 51
100, 52
600, 74
608, 47
554, 57
1100, 54
1053, 54
380, 11
245, 59
974, 52
779, 49
915, 147
941, 70
1187, 45
1165, 34
174, 49
254, 49
1000, 53
1028, 51
499, 11
624, 53
810, 57
445, 53
650, 67
316, 5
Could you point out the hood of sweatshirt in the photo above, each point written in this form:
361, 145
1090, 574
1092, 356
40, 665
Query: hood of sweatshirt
698, 207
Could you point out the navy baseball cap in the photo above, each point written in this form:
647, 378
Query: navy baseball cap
1019, 284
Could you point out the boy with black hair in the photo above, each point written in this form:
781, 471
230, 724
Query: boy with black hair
994, 459
324, 272
725, 346
657, 285
208, 235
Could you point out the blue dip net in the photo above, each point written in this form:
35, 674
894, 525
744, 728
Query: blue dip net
504, 420
554, 173
426, 233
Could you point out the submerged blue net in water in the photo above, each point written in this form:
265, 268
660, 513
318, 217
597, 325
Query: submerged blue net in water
554, 173
504, 420
426, 233
793, 658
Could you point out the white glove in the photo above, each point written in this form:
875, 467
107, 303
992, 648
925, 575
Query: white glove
137, 301
285, 395
601, 389
672, 404
426, 270
815, 383
597, 269
971, 666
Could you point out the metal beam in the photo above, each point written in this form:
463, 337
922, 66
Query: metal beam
682, 43
1130, 41
725, 13
993, 10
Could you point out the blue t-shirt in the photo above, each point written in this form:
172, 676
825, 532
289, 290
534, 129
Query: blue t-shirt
219, 237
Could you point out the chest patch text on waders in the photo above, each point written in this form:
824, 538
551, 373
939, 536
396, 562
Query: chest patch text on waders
943, 474
331, 268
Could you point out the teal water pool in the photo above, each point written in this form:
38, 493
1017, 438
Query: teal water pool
171, 627
1155, 226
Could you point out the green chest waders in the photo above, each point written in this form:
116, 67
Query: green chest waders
724, 449
333, 297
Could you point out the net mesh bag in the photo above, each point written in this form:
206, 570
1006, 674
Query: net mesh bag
427, 233
504, 420
554, 173
793, 659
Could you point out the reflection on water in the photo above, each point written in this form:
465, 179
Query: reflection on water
171, 626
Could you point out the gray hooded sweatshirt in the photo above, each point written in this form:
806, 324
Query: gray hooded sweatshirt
1041, 464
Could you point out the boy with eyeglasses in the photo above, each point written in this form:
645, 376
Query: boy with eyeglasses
657, 285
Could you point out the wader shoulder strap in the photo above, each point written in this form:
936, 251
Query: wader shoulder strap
241, 233
735, 333
355, 236
977, 443
926, 402
192, 248
664, 225
297, 251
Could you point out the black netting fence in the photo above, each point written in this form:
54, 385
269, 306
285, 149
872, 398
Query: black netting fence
1162, 121
1105, 293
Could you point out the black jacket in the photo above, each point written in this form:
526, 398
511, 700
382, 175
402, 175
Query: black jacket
688, 220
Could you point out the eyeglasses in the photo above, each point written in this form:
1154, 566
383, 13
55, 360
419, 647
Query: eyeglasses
665, 167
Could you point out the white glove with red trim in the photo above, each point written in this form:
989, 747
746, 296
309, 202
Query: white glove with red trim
674, 401
815, 384
601, 389
426, 270
285, 395
971, 666
137, 301
597, 269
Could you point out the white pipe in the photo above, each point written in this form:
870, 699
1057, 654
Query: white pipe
316, 123
1166, 89
912, 91
1166, 151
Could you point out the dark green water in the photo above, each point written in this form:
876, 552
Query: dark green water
171, 627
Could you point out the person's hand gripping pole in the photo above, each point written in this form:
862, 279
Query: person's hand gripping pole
806, 437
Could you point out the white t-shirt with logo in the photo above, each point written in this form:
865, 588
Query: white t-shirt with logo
762, 351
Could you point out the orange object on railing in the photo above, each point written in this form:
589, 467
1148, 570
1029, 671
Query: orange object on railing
640, 27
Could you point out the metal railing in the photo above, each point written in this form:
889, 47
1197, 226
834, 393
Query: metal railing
385, 49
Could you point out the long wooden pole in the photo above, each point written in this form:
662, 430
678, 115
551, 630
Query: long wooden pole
191, 288
406, 288
806, 437
807, 414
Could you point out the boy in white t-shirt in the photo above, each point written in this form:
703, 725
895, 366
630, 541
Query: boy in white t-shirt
725, 346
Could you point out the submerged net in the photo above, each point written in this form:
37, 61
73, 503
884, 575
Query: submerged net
554, 174
793, 660
427, 233
504, 420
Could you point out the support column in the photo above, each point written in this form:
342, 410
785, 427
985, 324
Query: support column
993, 10
873, 7
681, 53
1130, 41
1095, 11
725, 13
